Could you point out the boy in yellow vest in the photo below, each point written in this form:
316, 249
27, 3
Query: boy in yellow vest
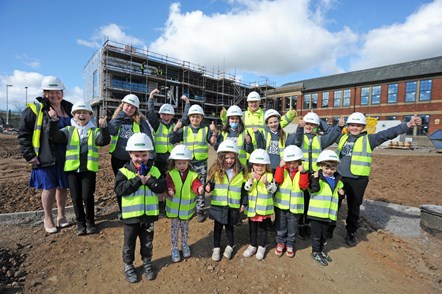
325, 190
138, 184
81, 165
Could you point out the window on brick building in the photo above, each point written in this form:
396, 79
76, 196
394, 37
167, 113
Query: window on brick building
307, 101
365, 95
347, 96
390, 117
314, 103
287, 102
410, 91
392, 93
325, 97
376, 95
337, 98
425, 90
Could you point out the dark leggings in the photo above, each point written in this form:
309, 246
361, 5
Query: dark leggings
217, 231
354, 189
258, 232
82, 189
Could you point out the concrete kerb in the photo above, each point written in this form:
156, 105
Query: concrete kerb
31, 216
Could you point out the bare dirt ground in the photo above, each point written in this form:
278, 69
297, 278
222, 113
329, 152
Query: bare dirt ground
33, 262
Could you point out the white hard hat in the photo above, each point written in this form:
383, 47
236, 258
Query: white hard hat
167, 109
259, 156
81, 105
52, 83
196, 109
357, 118
139, 142
234, 110
132, 100
180, 152
327, 155
292, 153
253, 96
271, 112
228, 146
312, 118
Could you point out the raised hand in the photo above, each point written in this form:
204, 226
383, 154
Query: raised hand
184, 97
414, 121
178, 126
248, 138
102, 122
52, 114
341, 121
154, 91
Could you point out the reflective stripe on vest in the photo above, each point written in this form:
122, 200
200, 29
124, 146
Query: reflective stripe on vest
361, 155
227, 194
324, 203
289, 195
73, 150
114, 139
260, 201
162, 144
182, 204
196, 143
36, 109
316, 149
141, 202
242, 154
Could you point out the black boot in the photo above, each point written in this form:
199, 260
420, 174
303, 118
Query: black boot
350, 239
149, 273
81, 229
130, 273
201, 217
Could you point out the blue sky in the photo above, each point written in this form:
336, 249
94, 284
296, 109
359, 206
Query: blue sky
281, 40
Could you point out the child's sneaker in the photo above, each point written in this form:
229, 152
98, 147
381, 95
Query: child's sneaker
130, 273
318, 257
186, 251
279, 250
228, 252
260, 253
290, 252
176, 255
249, 251
149, 273
326, 256
216, 254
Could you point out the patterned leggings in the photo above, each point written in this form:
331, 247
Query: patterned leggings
175, 225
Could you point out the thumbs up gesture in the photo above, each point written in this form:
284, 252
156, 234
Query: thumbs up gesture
414, 121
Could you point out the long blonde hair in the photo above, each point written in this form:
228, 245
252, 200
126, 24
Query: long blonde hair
137, 117
217, 168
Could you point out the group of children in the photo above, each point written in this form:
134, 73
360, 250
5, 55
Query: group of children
260, 171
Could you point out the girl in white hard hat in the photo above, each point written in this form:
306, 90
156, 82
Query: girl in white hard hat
355, 152
162, 127
325, 189
292, 179
225, 180
260, 188
308, 138
235, 132
126, 121
197, 137
138, 182
183, 186
82, 139
47, 158
273, 139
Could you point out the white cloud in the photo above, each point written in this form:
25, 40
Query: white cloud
112, 32
262, 37
29, 61
419, 37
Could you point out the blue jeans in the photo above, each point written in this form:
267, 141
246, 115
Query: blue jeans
286, 226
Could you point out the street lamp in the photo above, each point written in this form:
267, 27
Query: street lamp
7, 104
26, 96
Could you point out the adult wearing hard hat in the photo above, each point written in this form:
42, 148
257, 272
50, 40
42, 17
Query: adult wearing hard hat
126, 121
47, 158
355, 152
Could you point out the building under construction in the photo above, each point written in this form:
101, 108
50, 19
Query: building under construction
116, 70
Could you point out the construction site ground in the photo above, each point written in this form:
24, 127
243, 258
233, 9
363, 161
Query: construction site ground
32, 261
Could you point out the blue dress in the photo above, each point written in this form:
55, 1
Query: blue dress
52, 177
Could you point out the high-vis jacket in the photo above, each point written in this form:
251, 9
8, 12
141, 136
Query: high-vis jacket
182, 204
162, 144
289, 195
141, 202
311, 152
361, 155
228, 193
114, 139
196, 143
37, 109
260, 201
73, 150
324, 203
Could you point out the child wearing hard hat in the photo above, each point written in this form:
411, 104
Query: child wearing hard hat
355, 152
82, 139
325, 188
260, 188
126, 121
292, 179
162, 128
197, 137
183, 185
225, 180
138, 182
307, 138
